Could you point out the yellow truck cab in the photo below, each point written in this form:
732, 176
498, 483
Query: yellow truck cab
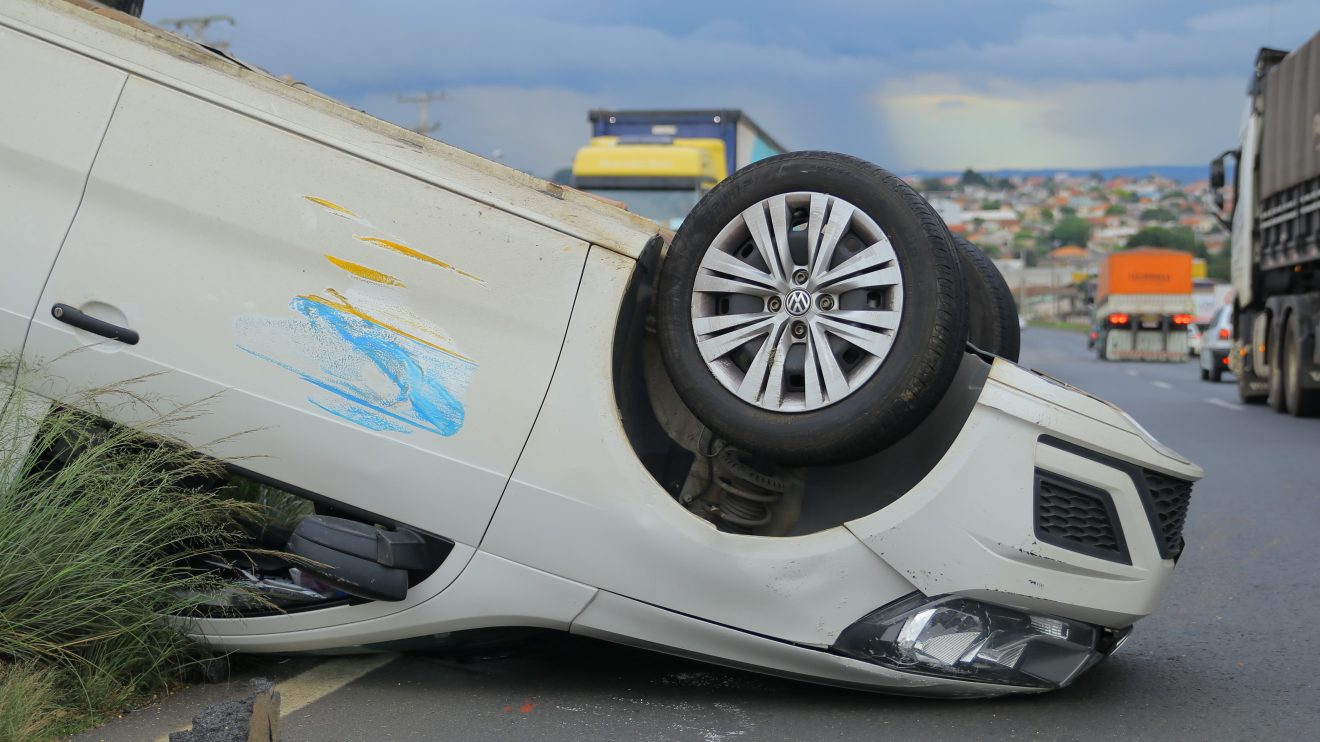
660, 162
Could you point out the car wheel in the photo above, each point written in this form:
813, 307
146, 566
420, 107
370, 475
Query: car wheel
1216, 374
992, 322
1301, 402
1205, 375
811, 309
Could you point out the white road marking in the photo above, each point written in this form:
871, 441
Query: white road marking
1162, 384
1132, 372
1225, 405
318, 682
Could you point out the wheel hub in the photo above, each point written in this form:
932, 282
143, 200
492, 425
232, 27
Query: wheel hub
797, 302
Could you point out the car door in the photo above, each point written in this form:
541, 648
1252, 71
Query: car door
342, 327
55, 107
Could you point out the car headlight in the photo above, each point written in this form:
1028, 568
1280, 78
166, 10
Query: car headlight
957, 637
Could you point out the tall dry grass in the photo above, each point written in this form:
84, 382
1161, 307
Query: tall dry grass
97, 526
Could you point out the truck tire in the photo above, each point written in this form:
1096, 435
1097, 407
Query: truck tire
992, 323
1277, 400
1301, 402
811, 309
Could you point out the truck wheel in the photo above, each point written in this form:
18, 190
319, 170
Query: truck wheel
1277, 400
992, 323
1301, 402
811, 309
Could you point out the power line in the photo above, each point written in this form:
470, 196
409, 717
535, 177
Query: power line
424, 101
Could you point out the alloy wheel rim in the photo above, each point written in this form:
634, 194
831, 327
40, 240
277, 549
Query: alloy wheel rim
797, 302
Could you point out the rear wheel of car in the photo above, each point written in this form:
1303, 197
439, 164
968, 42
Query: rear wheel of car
1205, 375
811, 309
1216, 373
992, 322
1301, 402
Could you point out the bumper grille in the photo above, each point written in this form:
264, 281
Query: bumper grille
1166, 499
1078, 517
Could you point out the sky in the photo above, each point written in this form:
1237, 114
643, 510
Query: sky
913, 85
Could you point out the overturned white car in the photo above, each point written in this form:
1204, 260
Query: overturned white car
766, 442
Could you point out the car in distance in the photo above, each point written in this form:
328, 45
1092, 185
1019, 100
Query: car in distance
782, 439
1216, 342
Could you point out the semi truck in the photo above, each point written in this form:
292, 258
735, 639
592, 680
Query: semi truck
1144, 304
659, 163
1274, 222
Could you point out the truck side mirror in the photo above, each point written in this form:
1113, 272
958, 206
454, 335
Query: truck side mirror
1217, 177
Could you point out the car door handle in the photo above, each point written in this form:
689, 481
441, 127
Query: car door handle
83, 321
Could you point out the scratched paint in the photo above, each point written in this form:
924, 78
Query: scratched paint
332, 206
403, 249
363, 272
371, 363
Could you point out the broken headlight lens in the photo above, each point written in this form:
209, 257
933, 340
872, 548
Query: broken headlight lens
957, 637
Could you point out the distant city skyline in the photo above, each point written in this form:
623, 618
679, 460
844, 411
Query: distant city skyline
941, 85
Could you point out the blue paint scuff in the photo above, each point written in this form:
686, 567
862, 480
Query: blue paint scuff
368, 375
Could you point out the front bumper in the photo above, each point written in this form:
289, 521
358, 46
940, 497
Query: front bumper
980, 524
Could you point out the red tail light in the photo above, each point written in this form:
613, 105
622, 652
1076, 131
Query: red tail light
1225, 360
1224, 333
1118, 318
1182, 319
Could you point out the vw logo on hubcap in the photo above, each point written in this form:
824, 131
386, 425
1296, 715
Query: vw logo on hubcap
798, 302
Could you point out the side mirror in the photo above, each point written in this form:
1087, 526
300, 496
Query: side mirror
1217, 175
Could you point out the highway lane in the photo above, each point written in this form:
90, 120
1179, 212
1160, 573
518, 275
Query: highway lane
1230, 654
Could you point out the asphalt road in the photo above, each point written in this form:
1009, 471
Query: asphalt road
1231, 654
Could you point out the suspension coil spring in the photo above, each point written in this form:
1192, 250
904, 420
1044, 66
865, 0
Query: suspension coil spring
748, 489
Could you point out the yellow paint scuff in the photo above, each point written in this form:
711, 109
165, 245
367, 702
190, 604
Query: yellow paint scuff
363, 272
342, 303
417, 255
331, 206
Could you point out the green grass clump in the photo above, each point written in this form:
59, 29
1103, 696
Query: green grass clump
97, 523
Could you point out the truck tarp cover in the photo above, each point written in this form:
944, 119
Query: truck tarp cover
1290, 146
1145, 271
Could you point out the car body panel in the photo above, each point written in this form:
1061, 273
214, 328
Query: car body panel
47, 143
581, 505
490, 592
276, 280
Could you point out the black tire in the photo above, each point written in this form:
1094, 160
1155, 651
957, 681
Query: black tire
1205, 375
1301, 402
1216, 374
927, 345
992, 321
1276, 399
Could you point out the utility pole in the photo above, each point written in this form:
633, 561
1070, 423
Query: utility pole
195, 28
424, 101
